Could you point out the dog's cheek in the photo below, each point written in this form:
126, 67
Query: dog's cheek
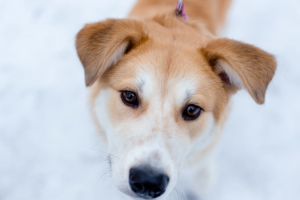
101, 111
109, 110
116, 109
202, 126
204, 136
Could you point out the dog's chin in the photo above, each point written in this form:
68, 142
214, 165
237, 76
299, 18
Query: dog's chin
133, 196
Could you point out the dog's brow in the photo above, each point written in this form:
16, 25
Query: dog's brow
188, 94
140, 85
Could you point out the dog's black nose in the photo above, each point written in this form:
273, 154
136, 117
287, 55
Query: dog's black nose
147, 183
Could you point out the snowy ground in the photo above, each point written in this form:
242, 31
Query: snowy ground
47, 138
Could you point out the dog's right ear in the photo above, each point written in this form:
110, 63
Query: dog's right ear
101, 45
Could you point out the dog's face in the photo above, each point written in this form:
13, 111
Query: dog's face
157, 97
152, 110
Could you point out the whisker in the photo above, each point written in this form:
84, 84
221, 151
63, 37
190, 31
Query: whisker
110, 154
106, 172
176, 193
181, 190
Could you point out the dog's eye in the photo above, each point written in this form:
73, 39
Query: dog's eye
191, 112
129, 98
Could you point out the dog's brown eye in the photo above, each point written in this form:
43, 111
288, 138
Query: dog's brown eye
191, 112
129, 98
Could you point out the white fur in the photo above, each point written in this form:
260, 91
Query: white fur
231, 73
207, 135
147, 82
117, 55
182, 87
146, 140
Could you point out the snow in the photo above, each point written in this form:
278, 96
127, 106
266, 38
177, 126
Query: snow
49, 148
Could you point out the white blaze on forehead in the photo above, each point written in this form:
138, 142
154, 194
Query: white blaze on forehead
177, 89
184, 89
145, 83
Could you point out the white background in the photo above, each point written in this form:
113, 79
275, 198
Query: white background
47, 139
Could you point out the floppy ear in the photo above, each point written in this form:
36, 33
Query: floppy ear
241, 65
101, 45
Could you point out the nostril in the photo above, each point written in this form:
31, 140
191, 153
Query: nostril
156, 192
147, 183
137, 187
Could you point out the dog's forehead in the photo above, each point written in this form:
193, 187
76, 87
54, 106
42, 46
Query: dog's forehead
171, 71
150, 84
166, 72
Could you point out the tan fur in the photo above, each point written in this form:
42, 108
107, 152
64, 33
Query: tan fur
97, 42
212, 98
212, 13
255, 67
153, 40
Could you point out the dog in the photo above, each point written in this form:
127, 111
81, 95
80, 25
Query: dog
161, 82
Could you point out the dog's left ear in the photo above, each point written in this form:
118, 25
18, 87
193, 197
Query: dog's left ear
101, 45
241, 65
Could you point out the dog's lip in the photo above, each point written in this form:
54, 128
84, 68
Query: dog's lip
134, 196
130, 194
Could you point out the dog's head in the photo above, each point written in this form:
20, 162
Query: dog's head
161, 90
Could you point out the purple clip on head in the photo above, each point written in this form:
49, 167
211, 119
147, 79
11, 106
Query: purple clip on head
180, 10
